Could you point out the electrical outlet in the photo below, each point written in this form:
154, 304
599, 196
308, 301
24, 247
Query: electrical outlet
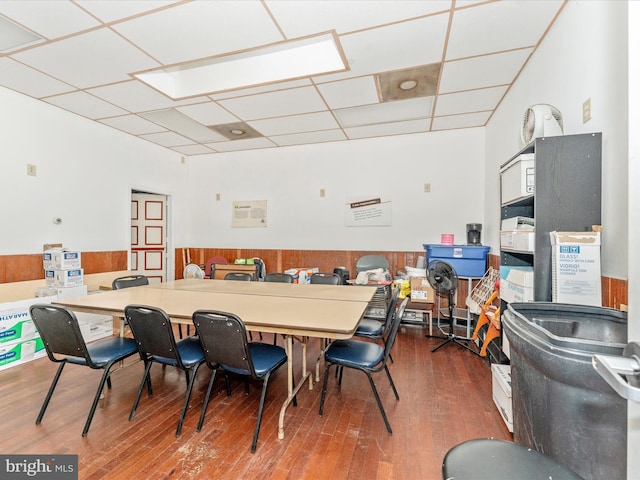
322, 192
31, 170
427, 187
217, 197
586, 110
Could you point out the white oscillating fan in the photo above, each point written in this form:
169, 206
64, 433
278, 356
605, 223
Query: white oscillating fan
193, 271
541, 120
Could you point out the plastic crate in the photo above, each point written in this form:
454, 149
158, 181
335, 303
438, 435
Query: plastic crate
467, 260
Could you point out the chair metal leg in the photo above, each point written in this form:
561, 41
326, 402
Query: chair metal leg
186, 399
324, 388
393, 386
104, 379
212, 381
265, 385
375, 393
45, 404
145, 379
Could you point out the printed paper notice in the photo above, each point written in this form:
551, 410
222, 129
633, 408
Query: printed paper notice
368, 212
251, 214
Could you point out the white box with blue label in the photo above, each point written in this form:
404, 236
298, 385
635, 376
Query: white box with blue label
575, 268
64, 278
15, 321
60, 259
466, 260
516, 284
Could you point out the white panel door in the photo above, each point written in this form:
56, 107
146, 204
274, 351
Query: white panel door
148, 236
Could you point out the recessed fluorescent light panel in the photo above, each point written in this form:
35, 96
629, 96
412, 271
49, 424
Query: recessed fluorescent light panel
13, 36
400, 111
285, 61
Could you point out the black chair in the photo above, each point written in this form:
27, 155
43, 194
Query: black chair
375, 329
322, 278
62, 338
224, 341
153, 334
501, 460
368, 357
278, 277
241, 276
129, 281
371, 262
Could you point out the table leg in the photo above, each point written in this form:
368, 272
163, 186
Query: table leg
290, 390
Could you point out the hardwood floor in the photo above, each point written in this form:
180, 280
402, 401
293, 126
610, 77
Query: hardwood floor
445, 398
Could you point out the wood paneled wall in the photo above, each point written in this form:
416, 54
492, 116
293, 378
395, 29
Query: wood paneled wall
17, 268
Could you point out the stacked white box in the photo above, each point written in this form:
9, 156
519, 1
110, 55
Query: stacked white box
516, 284
501, 392
60, 259
575, 268
64, 278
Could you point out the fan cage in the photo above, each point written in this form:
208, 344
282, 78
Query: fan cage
482, 291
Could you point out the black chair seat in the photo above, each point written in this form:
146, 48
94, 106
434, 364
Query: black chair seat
493, 459
354, 353
369, 327
190, 353
265, 358
103, 351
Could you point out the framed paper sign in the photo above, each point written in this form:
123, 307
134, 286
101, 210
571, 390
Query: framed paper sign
366, 212
248, 214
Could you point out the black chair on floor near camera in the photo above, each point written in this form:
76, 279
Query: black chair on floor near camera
63, 341
153, 334
501, 460
368, 357
224, 341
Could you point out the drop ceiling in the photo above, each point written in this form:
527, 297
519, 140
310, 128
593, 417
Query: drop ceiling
463, 56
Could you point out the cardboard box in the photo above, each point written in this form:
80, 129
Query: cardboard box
19, 353
59, 259
302, 275
518, 223
501, 392
15, 321
575, 268
64, 278
94, 326
421, 290
521, 240
517, 178
516, 284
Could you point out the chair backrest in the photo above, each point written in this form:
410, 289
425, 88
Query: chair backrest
60, 332
224, 340
278, 277
391, 308
152, 332
395, 325
243, 277
129, 281
371, 262
325, 278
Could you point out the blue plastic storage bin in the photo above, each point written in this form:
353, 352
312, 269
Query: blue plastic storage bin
467, 260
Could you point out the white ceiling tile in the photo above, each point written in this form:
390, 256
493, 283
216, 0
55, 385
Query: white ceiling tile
110, 11
133, 124
469, 101
167, 139
136, 97
86, 105
26, 80
485, 71
299, 18
236, 145
308, 122
478, 119
499, 26
94, 58
48, 19
394, 47
272, 87
309, 137
201, 29
209, 113
193, 150
275, 104
350, 93
383, 129
385, 112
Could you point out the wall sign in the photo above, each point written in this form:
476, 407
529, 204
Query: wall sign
366, 212
249, 214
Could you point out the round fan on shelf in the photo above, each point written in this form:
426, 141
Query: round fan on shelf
193, 271
541, 120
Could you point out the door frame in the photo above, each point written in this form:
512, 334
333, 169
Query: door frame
169, 256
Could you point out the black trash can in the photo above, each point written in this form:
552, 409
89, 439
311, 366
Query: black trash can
561, 405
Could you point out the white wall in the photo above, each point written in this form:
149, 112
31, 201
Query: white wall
85, 173
584, 56
290, 179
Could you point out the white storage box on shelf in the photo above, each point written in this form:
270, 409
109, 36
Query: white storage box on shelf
575, 268
520, 240
501, 392
517, 178
516, 284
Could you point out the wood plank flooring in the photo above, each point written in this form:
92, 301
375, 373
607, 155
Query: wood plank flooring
445, 398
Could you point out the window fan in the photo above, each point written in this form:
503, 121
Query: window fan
541, 120
193, 271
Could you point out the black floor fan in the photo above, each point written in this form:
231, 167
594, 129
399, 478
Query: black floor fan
444, 280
